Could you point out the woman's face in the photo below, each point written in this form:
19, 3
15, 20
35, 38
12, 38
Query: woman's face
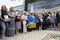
4, 8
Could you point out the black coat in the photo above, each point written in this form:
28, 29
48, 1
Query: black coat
3, 13
58, 17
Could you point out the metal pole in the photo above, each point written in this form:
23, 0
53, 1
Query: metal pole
26, 5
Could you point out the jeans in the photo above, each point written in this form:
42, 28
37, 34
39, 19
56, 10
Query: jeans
3, 29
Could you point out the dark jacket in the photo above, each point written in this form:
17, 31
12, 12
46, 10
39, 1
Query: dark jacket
58, 17
3, 13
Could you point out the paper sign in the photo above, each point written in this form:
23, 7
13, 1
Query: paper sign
6, 17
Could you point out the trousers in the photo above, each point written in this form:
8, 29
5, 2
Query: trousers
3, 29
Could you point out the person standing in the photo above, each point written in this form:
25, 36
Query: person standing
58, 19
40, 21
12, 14
24, 19
18, 22
32, 22
37, 21
53, 17
44, 25
3, 16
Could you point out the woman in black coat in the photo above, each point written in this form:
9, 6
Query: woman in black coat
44, 26
2, 20
58, 19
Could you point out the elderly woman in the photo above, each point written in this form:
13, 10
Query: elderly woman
12, 14
18, 22
24, 20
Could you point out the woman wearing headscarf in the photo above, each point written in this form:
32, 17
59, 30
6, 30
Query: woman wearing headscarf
12, 14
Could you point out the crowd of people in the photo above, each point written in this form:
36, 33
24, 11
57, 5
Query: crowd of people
16, 21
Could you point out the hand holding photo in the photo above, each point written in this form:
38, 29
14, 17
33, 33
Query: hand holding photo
6, 17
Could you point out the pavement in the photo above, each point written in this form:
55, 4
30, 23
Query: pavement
34, 35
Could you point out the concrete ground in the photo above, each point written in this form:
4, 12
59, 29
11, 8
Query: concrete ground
34, 35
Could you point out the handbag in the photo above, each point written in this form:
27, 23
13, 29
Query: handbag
18, 18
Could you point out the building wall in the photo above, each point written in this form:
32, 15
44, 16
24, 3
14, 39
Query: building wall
44, 6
